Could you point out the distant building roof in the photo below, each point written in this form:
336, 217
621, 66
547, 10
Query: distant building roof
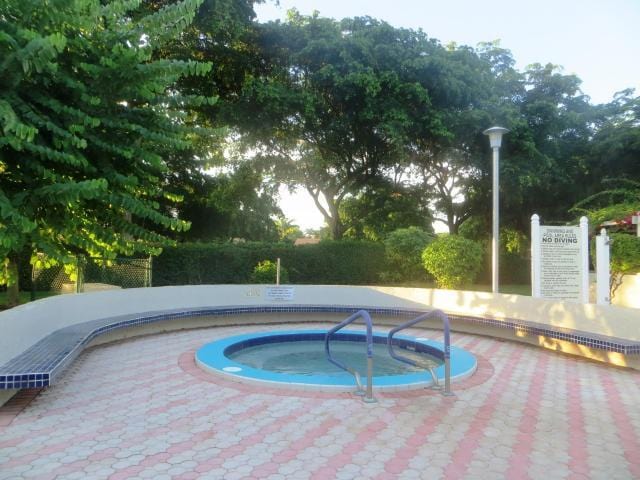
306, 241
625, 224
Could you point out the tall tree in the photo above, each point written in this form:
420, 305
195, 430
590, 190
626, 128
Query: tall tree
235, 203
88, 115
332, 102
614, 151
456, 167
544, 168
543, 165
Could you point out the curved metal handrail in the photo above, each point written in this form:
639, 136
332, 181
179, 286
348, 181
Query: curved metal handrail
447, 345
369, 340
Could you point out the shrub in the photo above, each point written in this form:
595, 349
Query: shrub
625, 253
625, 258
266, 272
403, 250
453, 260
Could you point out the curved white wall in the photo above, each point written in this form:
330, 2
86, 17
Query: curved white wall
23, 326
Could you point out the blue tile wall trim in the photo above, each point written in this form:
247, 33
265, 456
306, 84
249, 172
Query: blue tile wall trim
43, 363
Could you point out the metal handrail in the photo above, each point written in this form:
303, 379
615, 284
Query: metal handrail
369, 340
447, 345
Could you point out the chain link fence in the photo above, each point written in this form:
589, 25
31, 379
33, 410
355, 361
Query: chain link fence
92, 274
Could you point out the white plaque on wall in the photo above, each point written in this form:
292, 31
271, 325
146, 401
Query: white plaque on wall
279, 294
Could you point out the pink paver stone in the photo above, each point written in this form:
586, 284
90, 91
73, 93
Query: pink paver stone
119, 414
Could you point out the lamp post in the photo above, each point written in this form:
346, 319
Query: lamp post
495, 140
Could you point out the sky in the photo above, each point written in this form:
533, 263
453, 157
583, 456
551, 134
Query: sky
597, 40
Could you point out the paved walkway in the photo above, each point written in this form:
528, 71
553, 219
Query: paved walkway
148, 412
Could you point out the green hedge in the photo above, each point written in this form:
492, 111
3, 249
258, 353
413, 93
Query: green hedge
346, 262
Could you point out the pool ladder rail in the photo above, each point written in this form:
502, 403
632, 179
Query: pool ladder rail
446, 354
368, 395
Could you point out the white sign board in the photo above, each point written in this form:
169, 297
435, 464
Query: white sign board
560, 263
279, 294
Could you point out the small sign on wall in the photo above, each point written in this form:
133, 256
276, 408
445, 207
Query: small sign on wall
279, 294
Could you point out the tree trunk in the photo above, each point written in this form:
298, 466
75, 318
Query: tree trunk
337, 229
13, 287
332, 217
451, 221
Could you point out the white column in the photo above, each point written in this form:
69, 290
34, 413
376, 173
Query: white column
495, 140
535, 255
495, 238
278, 272
584, 260
602, 269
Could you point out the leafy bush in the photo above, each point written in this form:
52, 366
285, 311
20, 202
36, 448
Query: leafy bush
267, 272
625, 258
453, 260
625, 253
403, 250
346, 262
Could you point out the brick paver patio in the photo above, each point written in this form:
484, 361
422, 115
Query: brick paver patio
142, 409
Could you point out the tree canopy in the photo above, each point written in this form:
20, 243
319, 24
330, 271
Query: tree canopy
341, 107
88, 115
113, 112
333, 105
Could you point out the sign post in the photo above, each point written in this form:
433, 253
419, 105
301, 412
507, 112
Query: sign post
535, 256
603, 296
635, 219
584, 245
560, 261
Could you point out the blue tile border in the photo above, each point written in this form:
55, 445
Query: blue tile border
43, 363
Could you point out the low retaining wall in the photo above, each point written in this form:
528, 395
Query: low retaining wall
628, 293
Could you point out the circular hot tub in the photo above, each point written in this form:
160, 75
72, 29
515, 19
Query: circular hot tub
298, 358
